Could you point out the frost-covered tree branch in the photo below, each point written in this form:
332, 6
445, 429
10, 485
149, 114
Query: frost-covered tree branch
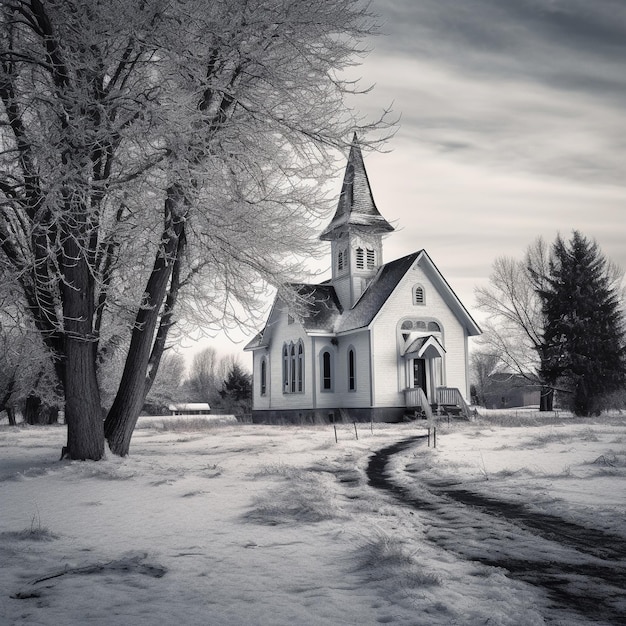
161, 157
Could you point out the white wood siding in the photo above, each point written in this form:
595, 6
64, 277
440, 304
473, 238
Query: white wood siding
282, 332
389, 372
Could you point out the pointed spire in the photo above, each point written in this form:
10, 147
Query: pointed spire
356, 203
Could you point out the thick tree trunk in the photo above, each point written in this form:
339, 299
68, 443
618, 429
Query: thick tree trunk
83, 413
122, 417
11, 415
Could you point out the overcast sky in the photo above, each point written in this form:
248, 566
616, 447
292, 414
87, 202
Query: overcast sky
512, 125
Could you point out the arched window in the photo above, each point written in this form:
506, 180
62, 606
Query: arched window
300, 367
292, 368
419, 296
351, 370
285, 369
360, 262
326, 378
434, 327
263, 376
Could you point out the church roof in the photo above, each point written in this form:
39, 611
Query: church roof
356, 205
424, 346
376, 294
321, 312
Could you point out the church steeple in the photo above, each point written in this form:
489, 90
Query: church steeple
356, 207
355, 232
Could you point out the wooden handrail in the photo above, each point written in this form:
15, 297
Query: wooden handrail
415, 397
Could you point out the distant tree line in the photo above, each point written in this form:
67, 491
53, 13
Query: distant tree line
221, 381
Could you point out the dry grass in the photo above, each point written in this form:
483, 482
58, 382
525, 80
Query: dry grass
307, 498
386, 558
198, 423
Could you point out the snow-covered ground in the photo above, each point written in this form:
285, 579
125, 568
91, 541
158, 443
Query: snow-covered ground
220, 524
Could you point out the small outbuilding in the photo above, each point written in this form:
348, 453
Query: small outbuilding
189, 408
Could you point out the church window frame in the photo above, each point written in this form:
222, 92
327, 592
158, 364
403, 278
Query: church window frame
351, 369
263, 377
419, 295
326, 371
300, 368
285, 368
370, 258
293, 367
360, 258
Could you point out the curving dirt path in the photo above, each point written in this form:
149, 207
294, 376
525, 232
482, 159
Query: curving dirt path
580, 569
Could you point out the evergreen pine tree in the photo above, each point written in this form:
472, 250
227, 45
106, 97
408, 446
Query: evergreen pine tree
237, 390
584, 330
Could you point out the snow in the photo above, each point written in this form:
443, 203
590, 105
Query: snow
210, 522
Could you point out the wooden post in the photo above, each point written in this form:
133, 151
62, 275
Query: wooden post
434, 436
355, 431
335, 427
429, 436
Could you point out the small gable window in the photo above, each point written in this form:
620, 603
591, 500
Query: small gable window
360, 259
371, 259
290, 319
419, 296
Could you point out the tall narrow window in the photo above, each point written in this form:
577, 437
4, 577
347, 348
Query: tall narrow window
285, 369
300, 376
327, 379
351, 371
371, 259
340, 260
263, 376
292, 369
360, 263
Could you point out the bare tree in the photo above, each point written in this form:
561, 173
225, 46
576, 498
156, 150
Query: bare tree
167, 385
27, 378
208, 372
482, 366
160, 157
515, 323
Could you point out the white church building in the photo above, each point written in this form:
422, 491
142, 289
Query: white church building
378, 341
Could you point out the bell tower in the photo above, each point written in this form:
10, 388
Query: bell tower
355, 233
